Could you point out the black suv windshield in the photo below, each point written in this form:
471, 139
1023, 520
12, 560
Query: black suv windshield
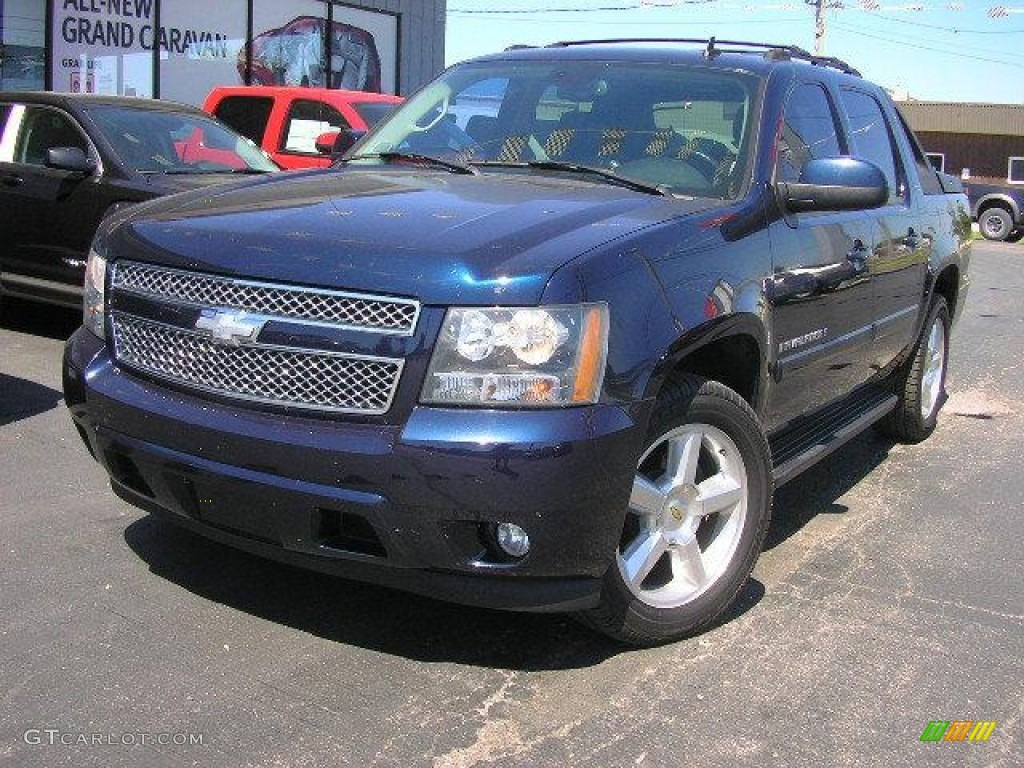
675, 128
164, 141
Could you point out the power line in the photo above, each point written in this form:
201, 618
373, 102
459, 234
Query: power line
821, 8
927, 38
652, 23
929, 48
503, 11
951, 30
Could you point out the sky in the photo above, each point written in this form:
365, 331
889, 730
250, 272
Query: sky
938, 51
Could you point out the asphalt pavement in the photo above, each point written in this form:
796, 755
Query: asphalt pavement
889, 596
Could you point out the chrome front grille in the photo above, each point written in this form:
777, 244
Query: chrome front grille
310, 305
312, 379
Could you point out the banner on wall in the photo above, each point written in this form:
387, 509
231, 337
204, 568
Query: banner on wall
294, 43
106, 46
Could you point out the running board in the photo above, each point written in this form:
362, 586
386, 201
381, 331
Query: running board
799, 448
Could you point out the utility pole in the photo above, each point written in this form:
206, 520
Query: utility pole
819, 25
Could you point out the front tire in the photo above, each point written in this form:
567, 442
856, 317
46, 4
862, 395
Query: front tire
698, 514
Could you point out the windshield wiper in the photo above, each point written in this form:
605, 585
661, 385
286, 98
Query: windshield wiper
415, 157
603, 173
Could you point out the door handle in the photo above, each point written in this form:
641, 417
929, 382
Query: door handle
11, 180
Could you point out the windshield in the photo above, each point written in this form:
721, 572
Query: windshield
157, 141
373, 112
681, 129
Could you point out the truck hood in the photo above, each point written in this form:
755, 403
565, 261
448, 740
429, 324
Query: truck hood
444, 238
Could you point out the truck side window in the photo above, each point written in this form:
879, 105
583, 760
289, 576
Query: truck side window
42, 129
870, 139
248, 115
306, 120
809, 131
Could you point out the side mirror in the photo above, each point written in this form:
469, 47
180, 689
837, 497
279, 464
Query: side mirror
835, 184
69, 159
325, 142
345, 140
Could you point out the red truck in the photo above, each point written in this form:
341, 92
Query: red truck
289, 122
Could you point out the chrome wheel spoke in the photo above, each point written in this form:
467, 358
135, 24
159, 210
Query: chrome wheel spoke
642, 555
688, 562
681, 463
646, 499
719, 493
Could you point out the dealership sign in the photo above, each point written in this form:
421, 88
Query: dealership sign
112, 46
127, 25
106, 46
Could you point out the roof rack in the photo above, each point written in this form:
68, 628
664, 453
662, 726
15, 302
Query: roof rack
713, 47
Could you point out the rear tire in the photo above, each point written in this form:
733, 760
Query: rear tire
697, 518
995, 223
921, 383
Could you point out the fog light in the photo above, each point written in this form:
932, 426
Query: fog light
512, 539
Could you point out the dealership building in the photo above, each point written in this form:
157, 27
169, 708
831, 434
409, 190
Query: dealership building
180, 49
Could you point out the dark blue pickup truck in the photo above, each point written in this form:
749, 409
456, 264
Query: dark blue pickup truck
998, 209
547, 339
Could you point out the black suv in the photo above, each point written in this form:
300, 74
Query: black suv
68, 159
546, 339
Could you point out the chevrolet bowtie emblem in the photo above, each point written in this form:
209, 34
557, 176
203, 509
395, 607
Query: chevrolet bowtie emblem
234, 326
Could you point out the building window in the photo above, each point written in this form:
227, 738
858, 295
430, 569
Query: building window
1015, 171
937, 161
22, 55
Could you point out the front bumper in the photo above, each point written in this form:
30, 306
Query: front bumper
409, 506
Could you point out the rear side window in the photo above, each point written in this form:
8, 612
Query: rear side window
306, 120
809, 131
927, 162
870, 138
248, 115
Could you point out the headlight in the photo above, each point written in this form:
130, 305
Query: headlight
518, 357
93, 297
